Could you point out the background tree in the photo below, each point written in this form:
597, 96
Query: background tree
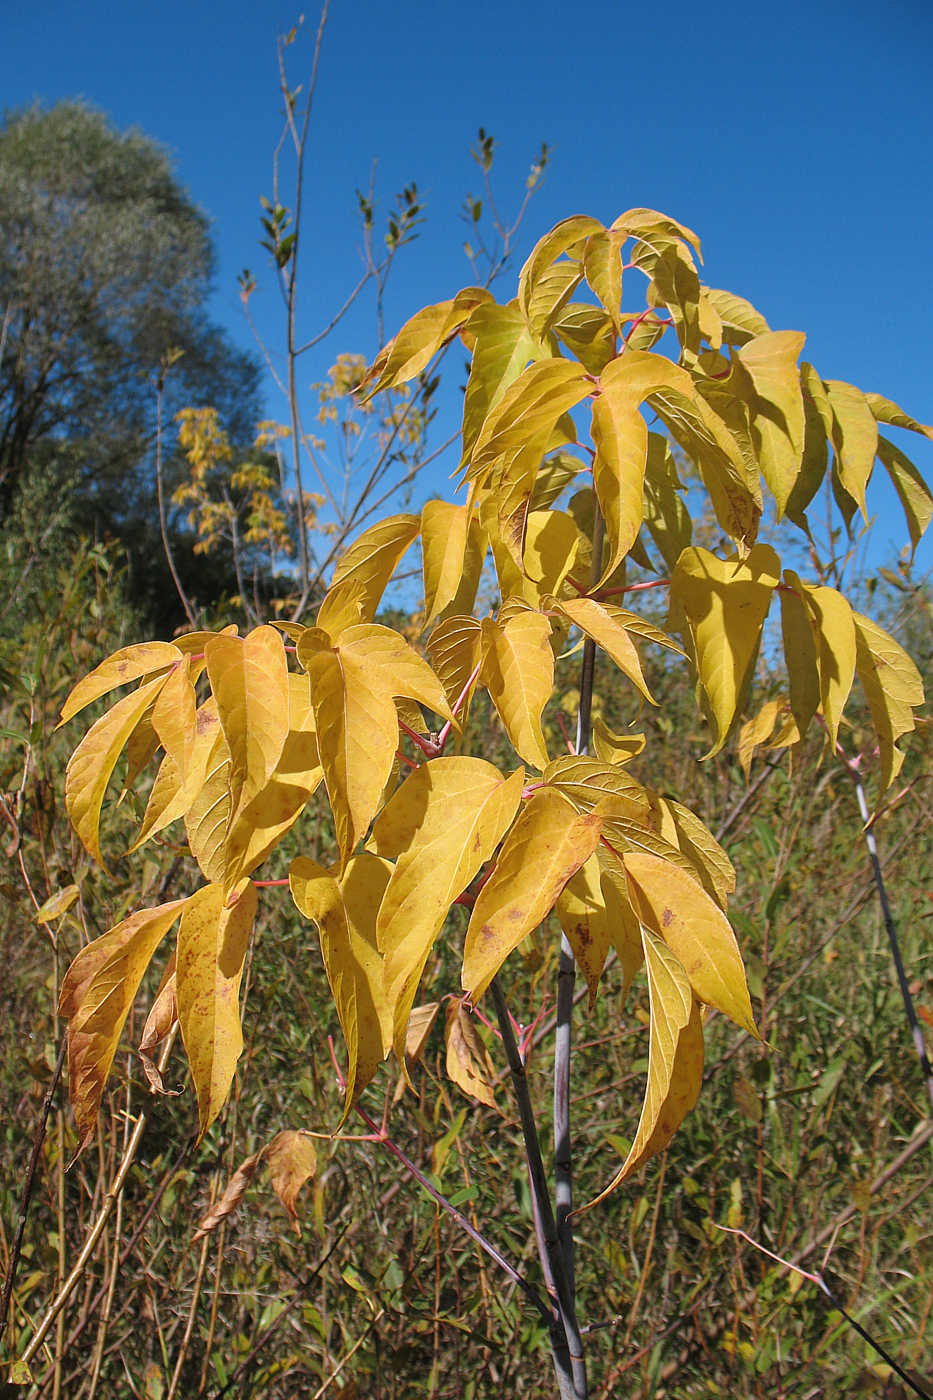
105, 266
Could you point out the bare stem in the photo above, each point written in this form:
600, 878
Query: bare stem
566, 1345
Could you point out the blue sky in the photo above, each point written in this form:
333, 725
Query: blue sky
794, 138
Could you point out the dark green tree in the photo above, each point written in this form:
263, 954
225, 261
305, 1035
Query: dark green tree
105, 266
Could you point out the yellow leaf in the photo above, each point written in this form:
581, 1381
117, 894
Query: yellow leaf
893, 688
209, 814
264, 821
552, 291
855, 438
800, 655
369, 564
249, 680
529, 409
174, 717
566, 237
127, 664
96, 995
468, 1063
622, 921
444, 530
549, 842
835, 648
518, 672
292, 1160
502, 349
777, 407
352, 689
642, 223
93, 761
602, 264
345, 914
552, 542
684, 830
615, 748
610, 627
725, 602
169, 798
913, 493
586, 782
57, 904
757, 731
885, 411
440, 826
675, 1060
620, 436
454, 650
416, 344
675, 907
581, 909
212, 940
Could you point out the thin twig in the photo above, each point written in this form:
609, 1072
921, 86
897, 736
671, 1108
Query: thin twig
28, 1184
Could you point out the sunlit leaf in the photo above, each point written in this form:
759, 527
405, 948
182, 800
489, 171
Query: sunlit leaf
504, 345
444, 531
549, 842
175, 719
249, 680
529, 408
676, 908
675, 1060
93, 761
913, 493
127, 664
518, 672
834, 628
725, 602
345, 914
885, 411
739, 320
369, 564
855, 438
96, 995
566, 237
777, 408
454, 650
212, 940
416, 344
893, 689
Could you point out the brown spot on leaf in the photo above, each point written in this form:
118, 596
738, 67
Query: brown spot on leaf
667, 917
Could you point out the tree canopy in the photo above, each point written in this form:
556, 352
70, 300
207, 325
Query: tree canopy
105, 267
